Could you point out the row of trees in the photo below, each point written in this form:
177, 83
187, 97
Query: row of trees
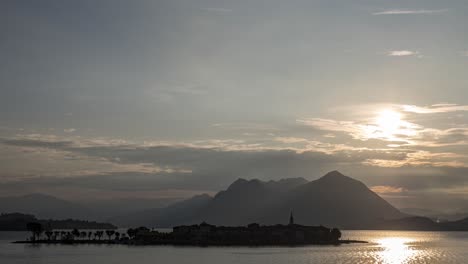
37, 230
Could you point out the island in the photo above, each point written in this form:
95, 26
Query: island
202, 234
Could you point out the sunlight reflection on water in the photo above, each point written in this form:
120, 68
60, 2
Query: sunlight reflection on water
384, 247
396, 250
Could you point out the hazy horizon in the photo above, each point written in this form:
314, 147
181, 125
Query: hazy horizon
169, 99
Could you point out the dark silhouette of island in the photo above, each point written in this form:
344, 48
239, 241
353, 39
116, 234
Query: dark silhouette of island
203, 234
19, 222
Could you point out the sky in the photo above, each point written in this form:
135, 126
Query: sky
104, 99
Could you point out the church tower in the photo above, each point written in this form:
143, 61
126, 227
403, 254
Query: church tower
291, 219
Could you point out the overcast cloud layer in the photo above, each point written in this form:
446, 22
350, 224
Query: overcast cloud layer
173, 98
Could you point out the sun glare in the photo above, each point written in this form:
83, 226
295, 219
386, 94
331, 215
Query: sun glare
389, 125
396, 250
389, 121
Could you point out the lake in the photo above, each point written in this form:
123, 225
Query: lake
384, 247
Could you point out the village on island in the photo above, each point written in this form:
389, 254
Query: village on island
202, 234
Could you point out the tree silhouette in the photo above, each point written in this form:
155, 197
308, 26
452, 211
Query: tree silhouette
56, 234
76, 233
110, 233
335, 234
83, 234
131, 232
36, 229
49, 234
89, 235
98, 234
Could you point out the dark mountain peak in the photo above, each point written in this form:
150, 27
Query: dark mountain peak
336, 178
334, 174
298, 181
285, 184
202, 196
242, 183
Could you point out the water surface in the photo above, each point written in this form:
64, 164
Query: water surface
384, 247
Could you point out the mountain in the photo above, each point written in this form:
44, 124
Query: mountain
334, 199
420, 223
18, 222
338, 200
43, 206
109, 208
163, 217
436, 215
50, 207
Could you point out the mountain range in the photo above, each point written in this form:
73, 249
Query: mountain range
332, 200
49, 207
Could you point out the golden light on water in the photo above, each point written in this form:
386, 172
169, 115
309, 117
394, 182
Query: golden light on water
396, 250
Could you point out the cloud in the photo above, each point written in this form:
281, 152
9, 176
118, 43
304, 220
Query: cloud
423, 158
423, 142
69, 130
437, 108
290, 139
331, 125
217, 9
410, 12
364, 131
106, 166
402, 53
385, 189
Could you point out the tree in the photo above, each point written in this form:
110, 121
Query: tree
98, 234
36, 230
49, 234
117, 235
76, 233
83, 234
56, 234
110, 233
89, 235
131, 232
335, 234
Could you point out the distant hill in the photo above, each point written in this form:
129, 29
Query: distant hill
164, 217
47, 206
18, 222
334, 199
421, 224
43, 206
435, 215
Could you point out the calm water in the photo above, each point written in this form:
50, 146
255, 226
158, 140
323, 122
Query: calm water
385, 247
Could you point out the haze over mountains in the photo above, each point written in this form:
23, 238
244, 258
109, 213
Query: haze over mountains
332, 200
43, 206
49, 207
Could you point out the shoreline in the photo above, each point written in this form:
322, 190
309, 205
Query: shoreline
184, 243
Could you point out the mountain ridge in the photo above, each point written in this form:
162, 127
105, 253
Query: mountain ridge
334, 199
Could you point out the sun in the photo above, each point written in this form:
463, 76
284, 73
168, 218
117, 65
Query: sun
388, 122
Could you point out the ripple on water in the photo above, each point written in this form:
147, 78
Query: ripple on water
384, 247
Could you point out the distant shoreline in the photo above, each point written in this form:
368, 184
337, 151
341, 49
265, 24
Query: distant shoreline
179, 243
